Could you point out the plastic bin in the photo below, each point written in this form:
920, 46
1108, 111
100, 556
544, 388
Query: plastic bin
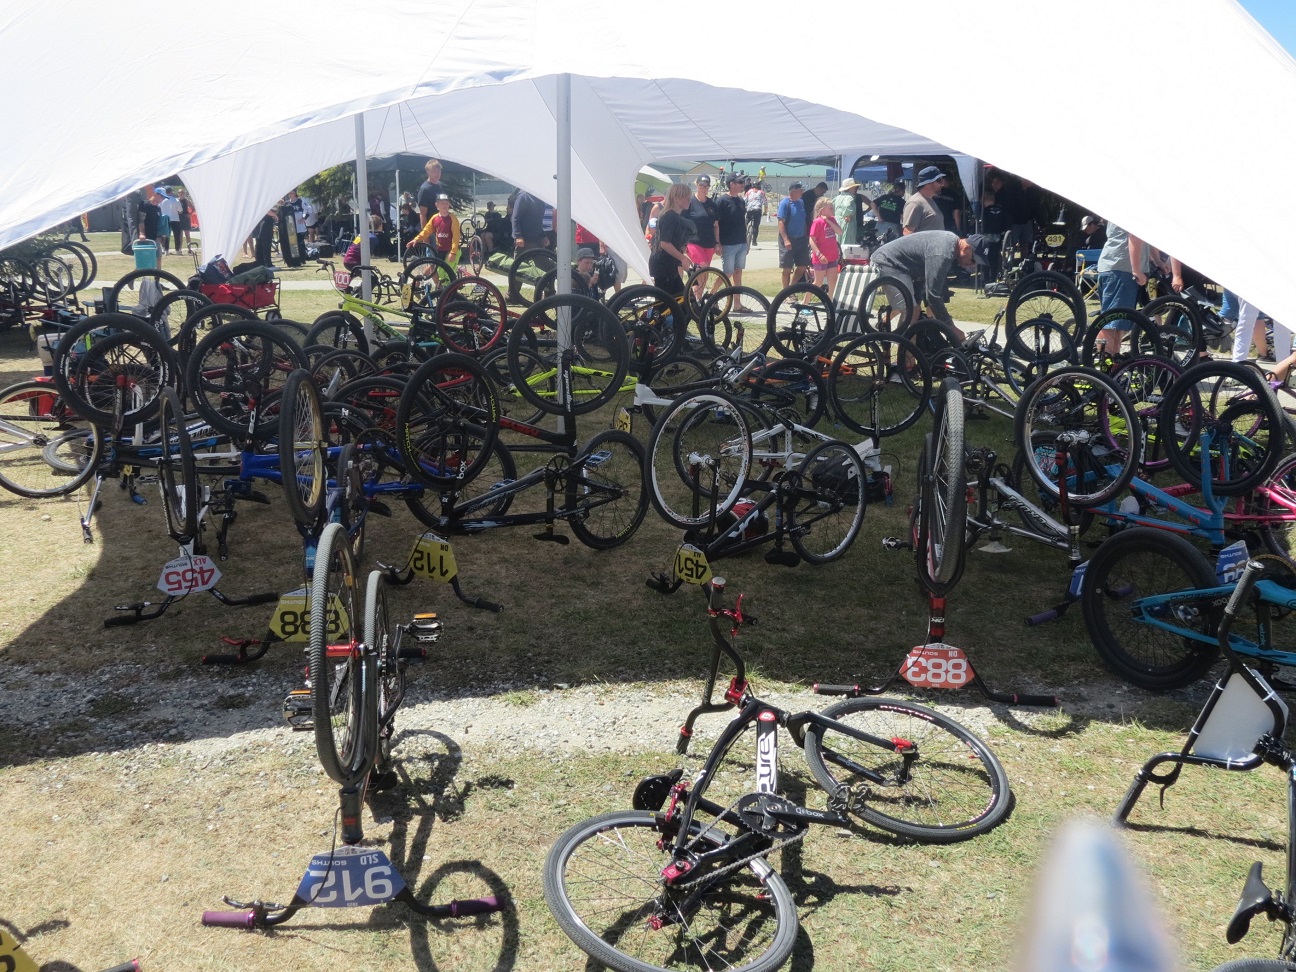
146, 254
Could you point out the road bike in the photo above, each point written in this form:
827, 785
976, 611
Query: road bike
682, 881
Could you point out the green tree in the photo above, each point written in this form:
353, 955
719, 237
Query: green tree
330, 189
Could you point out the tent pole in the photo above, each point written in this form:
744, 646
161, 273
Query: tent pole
562, 215
362, 199
400, 244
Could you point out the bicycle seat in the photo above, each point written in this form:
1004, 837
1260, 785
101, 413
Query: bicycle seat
1256, 899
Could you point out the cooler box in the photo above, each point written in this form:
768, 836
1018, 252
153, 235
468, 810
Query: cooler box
146, 254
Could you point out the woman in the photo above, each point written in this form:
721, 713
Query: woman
825, 253
670, 239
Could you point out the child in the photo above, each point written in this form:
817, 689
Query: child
442, 231
825, 253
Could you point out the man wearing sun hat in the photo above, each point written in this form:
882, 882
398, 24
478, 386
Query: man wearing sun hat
924, 261
846, 208
920, 213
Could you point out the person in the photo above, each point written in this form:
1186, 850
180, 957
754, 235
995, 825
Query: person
670, 239
149, 216
950, 210
794, 243
619, 267
170, 209
924, 260
310, 216
1122, 270
826, 253
732, 211
528, 222
705, 217
495, 232
185, 223
846, 209
890, 208
585, 279
657, 204
994, 223
1092, 234
429, 190
920, 213
263, 239
77, 224
441, 231
1016, 202
757, 207
811, 197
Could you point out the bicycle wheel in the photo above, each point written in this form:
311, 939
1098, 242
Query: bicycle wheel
1136, 643
720, 328
700, 288
1147, 381
650, 315
828, 502
1039, 342
162, 282
447, 421
886, 305
1099, 417
112, 367
600, 355
338, 686
338, 329
801, 321
1135, 327
1232, 407
1177, 327
203, 321
942, 527
421, 282
939, 785
1256, 965
476, 255
499, 470
1019, 479
45, 450
1275, 502
878, 385
603, 884
303, 450
791, 387
169, 314
471, 317
80, 259
236, 374
55, 279
680, 371
391, 673
525, 273
177, 474
699, 456
1048, 295
606, 484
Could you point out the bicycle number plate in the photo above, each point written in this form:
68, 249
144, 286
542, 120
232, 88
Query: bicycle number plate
1230, 562
623, 422
12, 957
433, 557
937, 666
350, 877
291, 620
691, 565
407, 295
1077, 580
188, 575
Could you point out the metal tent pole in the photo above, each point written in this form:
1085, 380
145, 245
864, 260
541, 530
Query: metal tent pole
563, 213
362, 198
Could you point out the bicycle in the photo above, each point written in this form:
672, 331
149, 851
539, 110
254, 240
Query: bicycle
1241, 728
691, 887
356, 685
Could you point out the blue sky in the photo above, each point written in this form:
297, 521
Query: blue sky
1278, 17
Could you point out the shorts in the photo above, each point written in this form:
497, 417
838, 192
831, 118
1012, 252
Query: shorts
1116, 288
733, 256
825, 265
795, 254
700, 255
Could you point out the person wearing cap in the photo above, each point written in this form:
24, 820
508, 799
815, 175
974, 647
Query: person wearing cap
149, 217
1092, 234
757, 209
924, 261
732, 212
920, 213
793, 229
429, 190
442, 231
705, 216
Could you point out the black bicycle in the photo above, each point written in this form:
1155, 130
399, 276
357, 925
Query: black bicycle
690, 887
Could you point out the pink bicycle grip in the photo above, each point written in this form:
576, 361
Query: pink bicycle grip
230, 919
475, 906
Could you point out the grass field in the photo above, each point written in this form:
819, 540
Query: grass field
151, 785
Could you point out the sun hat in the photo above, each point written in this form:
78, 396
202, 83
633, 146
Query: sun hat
584, 253
929, 175
848, 185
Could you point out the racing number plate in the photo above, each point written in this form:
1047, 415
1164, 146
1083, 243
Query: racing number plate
349, 877
937, 666
291, 619
691, 565
407, 295
623, 422
188, 575
12, 957
434, 558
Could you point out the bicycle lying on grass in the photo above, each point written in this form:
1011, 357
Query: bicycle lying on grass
691, 886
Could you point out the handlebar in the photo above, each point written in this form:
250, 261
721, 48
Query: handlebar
230, 919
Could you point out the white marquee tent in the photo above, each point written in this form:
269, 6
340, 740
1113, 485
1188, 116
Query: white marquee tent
246, 99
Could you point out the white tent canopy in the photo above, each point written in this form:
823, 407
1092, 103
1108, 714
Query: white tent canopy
262, 94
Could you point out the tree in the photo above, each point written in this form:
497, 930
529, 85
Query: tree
330, 190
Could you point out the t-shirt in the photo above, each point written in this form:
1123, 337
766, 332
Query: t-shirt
528, 218
946, 204
1115, 252
427, 196
821, 231
891, 206
148, 216
442, 231
733, 220
703, 213
925, 259
793, 214
993, 218
921, 216
755, 200
845, 209
674, 229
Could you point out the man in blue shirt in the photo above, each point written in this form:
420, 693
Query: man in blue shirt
794, 235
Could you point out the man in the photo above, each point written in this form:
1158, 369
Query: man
890, 207
812, 196
495, 232
924, 261
1092, 234
920, 213
794, 234
149, 218
757, 203
705, 216
846, 209
169, 206
429, 191
1122, 270
528, 222
732, 212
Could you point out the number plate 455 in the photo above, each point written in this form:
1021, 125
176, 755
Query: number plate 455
937, 666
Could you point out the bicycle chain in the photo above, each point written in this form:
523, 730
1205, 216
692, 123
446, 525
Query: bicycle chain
741, 862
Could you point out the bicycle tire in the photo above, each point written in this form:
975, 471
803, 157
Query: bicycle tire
601, 355
1279, 536
339, 705
45, 450
177, 472
1088, 402
447, 420
683, 370
421, 282
338, 329
476, 255
500, 468
335, 368
133, 358
1146, 381
1141, 562
1256, 965
82, 260
203, 321
525, 272
303, 450
187, 302
1178, 328
721, 332
391, 671
240, 369
956, 790
611, 490
55, 278
828, 503
712, 427
801, 321
1141, 335
886, 305
112, 298
471, 323
879, 385
942, 528
618, 857
789, 386
651, 315
1051, 295
699, 286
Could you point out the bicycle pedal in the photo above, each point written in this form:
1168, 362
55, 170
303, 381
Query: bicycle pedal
896, 543
782, 558
557, 538
379, 508
297, 710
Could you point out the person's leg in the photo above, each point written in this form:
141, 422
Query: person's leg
785, 262
831, 278
1116, 288
1229, 306
740, 264
1242, 337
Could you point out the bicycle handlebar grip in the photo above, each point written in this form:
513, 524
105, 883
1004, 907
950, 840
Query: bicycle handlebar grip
485, 605
1012, 698
1249, 576
474, 906
1052, 614
230, 919
835, 689
120, 621
229, 658
131, 966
